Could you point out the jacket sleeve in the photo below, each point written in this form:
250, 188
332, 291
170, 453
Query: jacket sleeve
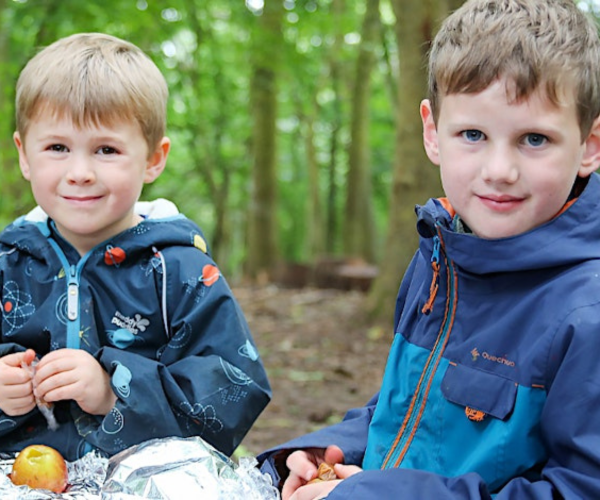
569, 425
207, 380
350, 435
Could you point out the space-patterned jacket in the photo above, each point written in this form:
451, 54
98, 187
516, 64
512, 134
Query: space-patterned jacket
492, 385
152, 307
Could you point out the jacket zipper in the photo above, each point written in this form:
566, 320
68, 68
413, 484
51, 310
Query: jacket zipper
412, 419
73, 273
73, 295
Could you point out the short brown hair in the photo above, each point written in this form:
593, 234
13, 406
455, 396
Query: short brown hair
95, 79
549, 44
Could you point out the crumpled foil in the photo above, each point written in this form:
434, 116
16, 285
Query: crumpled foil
177, 468
86, 477
159, 469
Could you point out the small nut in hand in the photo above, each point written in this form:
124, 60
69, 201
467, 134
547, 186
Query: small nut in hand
324, 473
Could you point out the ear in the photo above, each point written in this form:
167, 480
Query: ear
158, 160
590, 161
23, 163
430, 136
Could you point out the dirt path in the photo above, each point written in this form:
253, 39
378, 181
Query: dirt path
321, 356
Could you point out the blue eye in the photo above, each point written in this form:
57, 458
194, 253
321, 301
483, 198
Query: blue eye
472, 135
536, 140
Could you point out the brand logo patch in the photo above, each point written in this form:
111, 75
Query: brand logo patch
134, 325
502, 360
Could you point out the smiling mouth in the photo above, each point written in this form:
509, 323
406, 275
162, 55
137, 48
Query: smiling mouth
501, 203
81, 198
500, 199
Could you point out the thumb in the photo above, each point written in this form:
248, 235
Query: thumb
18, 358
28, 356
345, 471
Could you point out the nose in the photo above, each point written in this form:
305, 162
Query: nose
500, 165
81, 171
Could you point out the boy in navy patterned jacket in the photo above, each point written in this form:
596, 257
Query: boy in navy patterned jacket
113, 311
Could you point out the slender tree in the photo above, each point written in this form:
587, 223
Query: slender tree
414, 178
262, 237
205, 138
314, 210
358, 229
336, 76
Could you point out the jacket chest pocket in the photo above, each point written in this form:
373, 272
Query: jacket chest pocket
489, 425
481, 393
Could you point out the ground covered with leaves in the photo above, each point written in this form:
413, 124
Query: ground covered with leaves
322, 355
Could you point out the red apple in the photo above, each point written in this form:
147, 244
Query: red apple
40, 466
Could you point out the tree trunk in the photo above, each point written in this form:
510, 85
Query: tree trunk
359, 225
314, 213
335, 70
262, 237
414, 178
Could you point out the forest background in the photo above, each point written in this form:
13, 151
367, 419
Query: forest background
294, 123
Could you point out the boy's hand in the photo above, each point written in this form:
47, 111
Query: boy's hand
303, 465
74, 374
16, 389
319, 490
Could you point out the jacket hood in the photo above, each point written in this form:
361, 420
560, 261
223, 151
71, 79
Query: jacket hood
162, 226
572, 236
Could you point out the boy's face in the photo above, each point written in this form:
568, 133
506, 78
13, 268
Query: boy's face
88, 180
507, 167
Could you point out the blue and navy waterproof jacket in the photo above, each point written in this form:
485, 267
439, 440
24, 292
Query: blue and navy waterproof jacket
492, 386
152, 307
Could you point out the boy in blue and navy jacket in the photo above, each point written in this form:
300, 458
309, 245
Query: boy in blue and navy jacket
112, 310
492, 386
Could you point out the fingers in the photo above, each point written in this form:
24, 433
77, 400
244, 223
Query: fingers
292, 483
303, 468
74, 374
11, 371
314, 491
303, 464
56, 388
16, 389
19, 406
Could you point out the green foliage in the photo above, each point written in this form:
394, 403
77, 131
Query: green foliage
205, 51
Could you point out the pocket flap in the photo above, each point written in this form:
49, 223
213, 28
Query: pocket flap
479, 390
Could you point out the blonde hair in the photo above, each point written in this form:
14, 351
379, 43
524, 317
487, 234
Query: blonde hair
546, 44
94, 79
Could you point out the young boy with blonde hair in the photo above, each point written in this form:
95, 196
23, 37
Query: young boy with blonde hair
113, 313
492, 386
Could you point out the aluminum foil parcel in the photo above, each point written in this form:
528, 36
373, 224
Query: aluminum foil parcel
177, 468
160, 469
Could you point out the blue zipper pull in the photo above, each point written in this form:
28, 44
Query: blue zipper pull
435, 256
72, 295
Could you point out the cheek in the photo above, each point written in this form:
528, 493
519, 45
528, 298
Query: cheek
451, 179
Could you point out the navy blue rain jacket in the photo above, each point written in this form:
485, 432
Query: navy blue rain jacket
492, 385
152, 307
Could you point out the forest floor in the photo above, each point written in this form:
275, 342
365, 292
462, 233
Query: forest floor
322, 356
